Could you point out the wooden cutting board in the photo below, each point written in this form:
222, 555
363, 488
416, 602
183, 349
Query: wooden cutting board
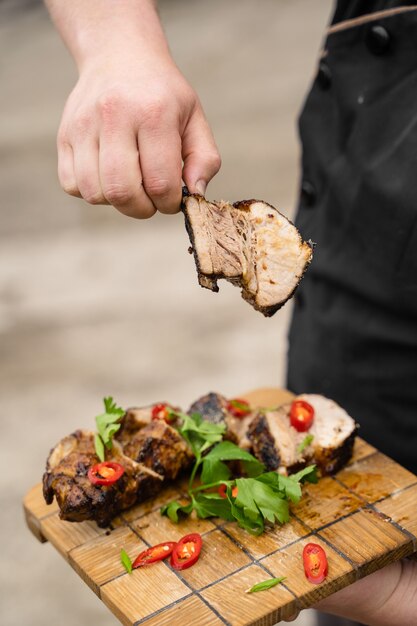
364, 517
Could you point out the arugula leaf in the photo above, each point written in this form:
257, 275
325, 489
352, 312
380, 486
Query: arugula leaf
125, 561
174, 508
266, 584
305, 443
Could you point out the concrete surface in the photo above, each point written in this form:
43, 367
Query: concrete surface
93, 303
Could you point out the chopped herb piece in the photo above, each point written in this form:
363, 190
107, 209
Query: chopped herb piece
125, 561
305, 443
266, 584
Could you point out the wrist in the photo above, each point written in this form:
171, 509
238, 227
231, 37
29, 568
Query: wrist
103, 32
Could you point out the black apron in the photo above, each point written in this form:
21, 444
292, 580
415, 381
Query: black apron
353, 335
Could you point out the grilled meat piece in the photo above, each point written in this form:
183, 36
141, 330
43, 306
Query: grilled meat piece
213, 408
134, 420
159, 447
78, 499
275, 442
150, 452
334, 433
251, 245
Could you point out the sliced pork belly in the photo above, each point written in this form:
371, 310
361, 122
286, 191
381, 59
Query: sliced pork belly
78, 499
251, 245
275, 442
213, 408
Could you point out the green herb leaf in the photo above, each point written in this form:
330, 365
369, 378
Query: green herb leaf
258, 497
228, 451
125, 560
212, 505
266, 584
174, 508
214, 471
305, 443
107, 425
308, 474
200, 434
111, 407
99, 446
290, 487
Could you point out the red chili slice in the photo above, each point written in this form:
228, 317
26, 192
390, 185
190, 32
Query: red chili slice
105, 473
157, 553
163, 412
187, 551
301, 415
223, 491
315, 563
239, 408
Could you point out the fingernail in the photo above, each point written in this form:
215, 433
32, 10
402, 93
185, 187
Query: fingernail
201, 187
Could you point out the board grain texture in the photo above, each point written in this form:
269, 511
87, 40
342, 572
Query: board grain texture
365, 517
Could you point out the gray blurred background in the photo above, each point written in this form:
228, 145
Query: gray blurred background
93, 303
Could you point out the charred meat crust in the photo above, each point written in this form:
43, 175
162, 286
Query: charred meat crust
331, 460
263, 444
209, 280
212, 407
160, 453
329, 454
159, 447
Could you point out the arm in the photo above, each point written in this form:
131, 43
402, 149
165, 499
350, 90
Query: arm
384, 598
132, 127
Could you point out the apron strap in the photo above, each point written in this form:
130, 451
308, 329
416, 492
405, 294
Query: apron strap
371, 17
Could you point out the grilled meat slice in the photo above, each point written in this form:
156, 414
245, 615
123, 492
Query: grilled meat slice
159, 447
134, 420
213, 408
251, 245
78, 499
334, 433
275, 442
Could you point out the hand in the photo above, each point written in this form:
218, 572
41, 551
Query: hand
384, 598
131, 130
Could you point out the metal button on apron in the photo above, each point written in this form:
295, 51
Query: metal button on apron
378, 39
308, 194
324, 76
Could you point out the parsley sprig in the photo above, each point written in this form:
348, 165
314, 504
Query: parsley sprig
261, 497
107, 426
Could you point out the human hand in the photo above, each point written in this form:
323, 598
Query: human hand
132, 128
384, 598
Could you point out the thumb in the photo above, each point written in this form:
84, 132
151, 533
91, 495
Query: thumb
199, 152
